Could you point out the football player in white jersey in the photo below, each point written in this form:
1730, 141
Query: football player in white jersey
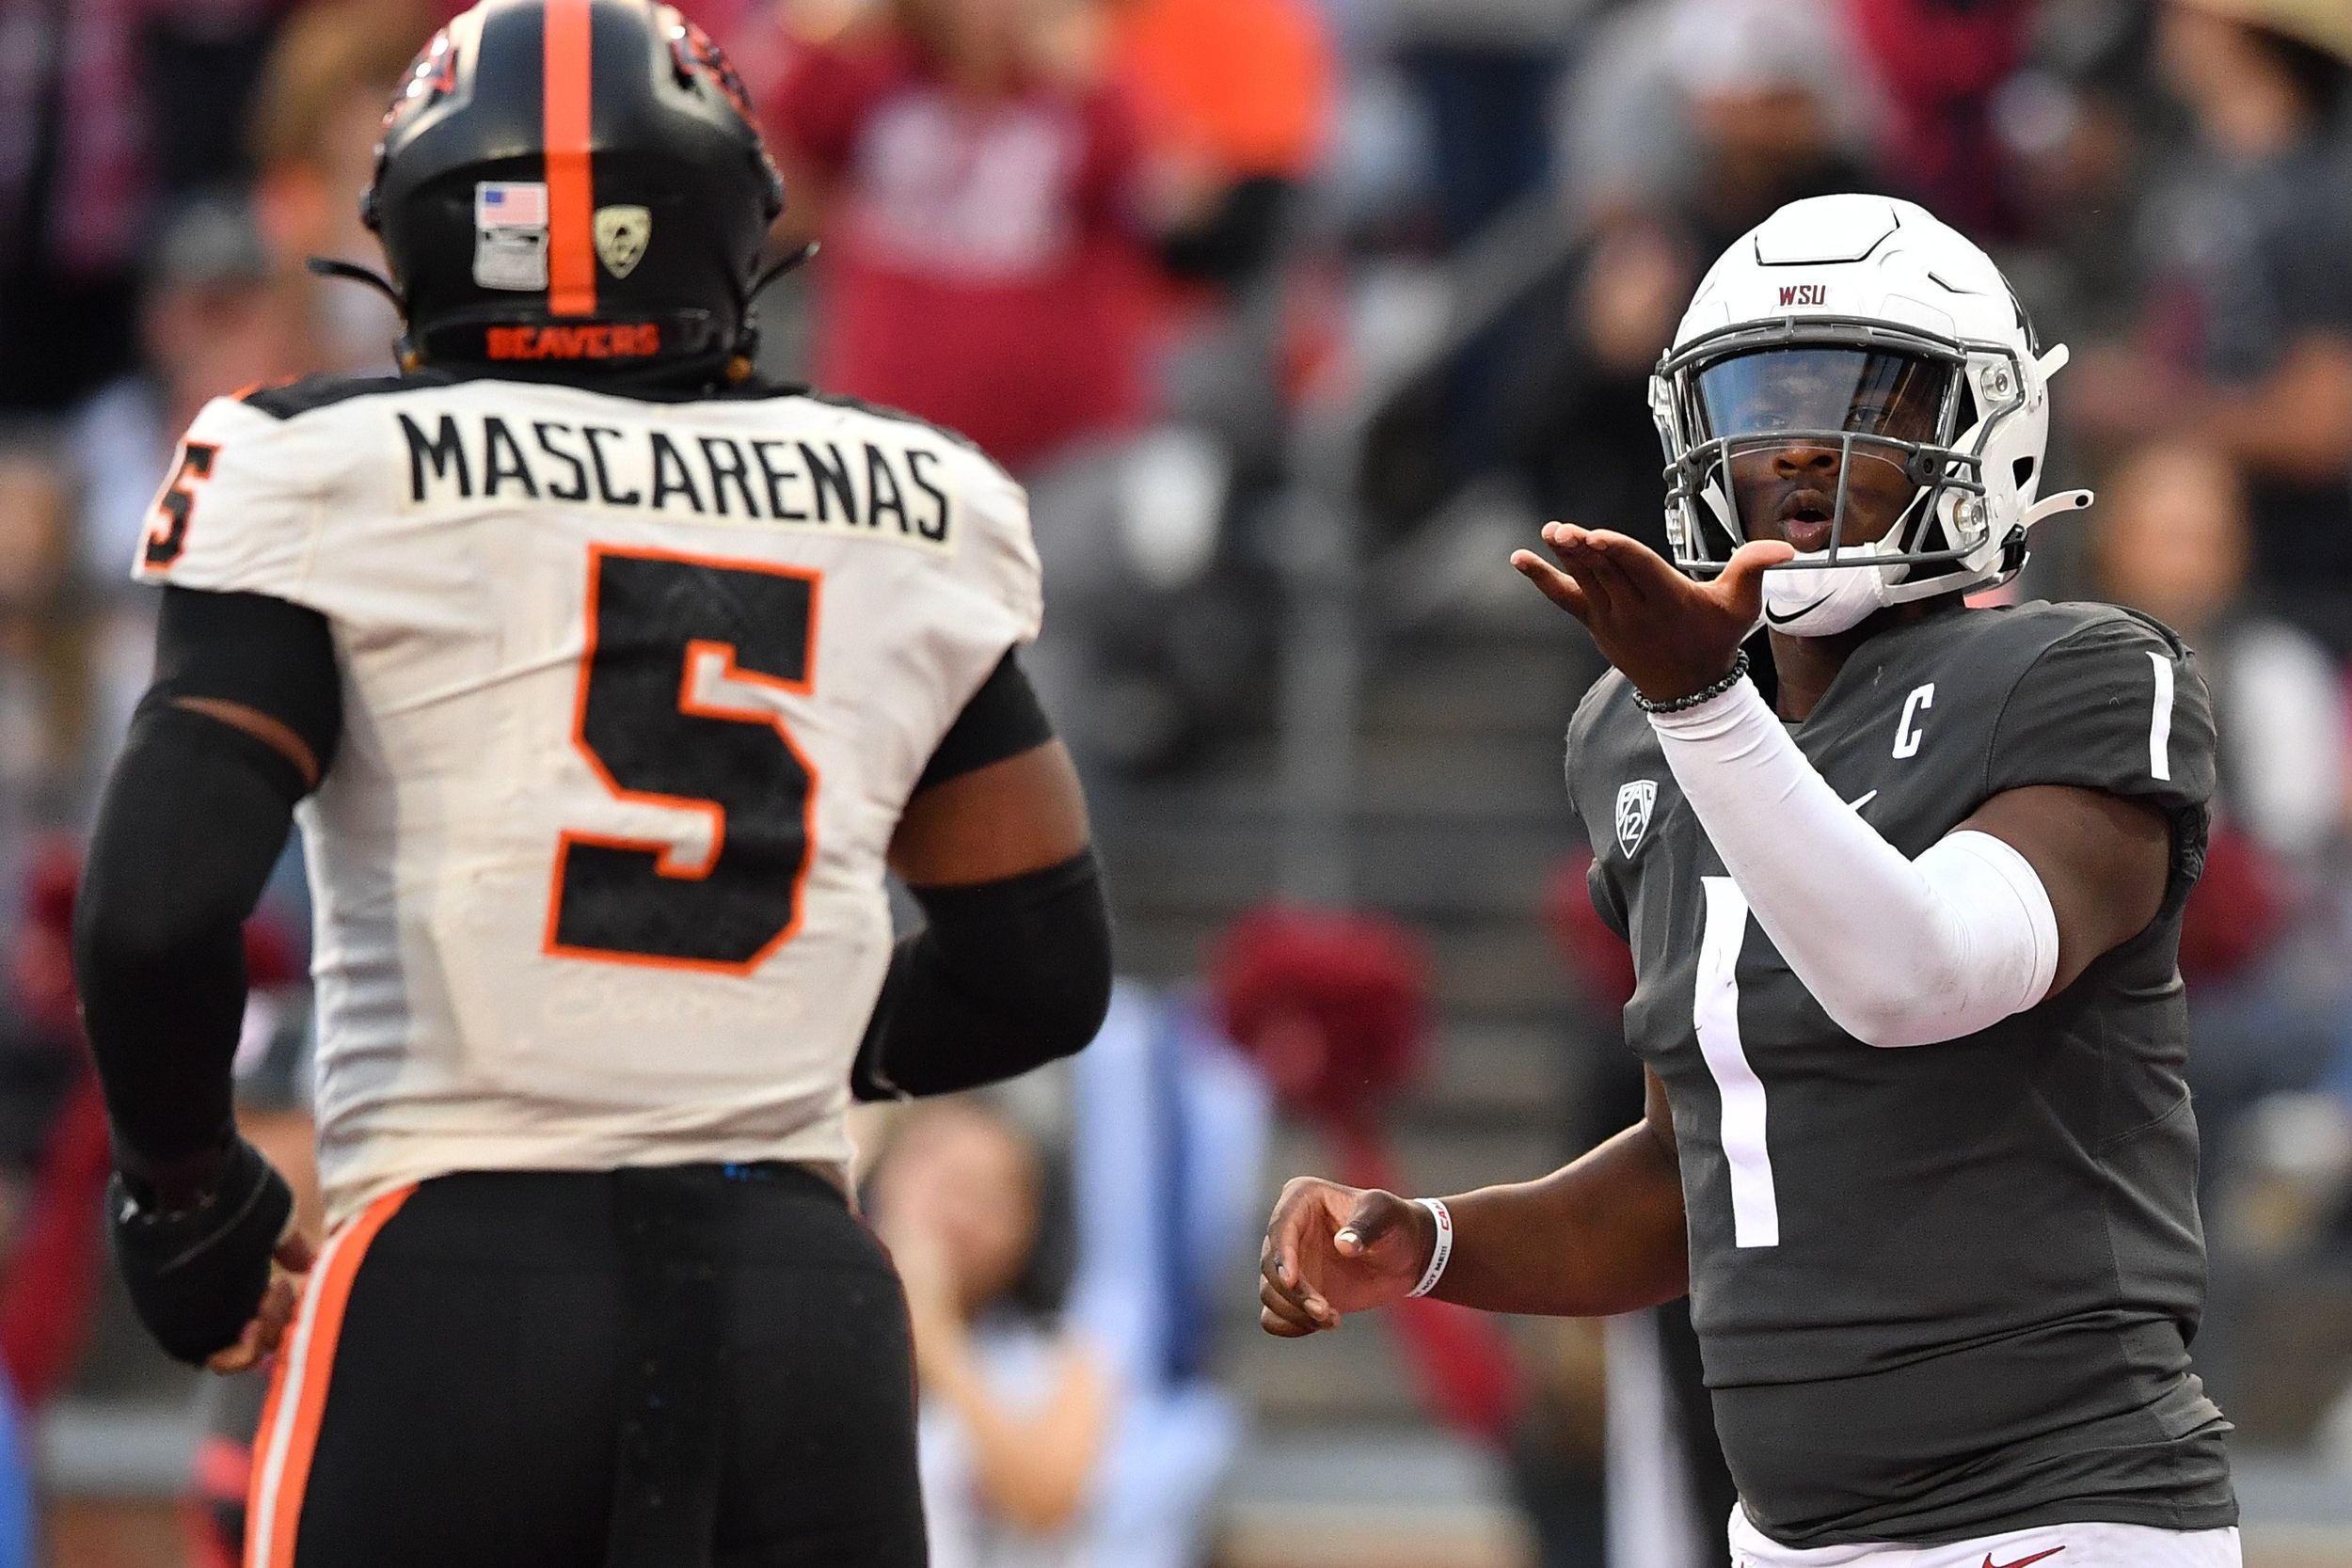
606, 682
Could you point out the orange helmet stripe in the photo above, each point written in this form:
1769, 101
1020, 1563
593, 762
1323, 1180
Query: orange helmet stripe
571, 196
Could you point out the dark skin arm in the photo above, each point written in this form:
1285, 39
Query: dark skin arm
1006, 819
1601, 1235
2104, 860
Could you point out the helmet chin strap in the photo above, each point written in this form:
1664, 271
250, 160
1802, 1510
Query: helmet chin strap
1802, 600
352, 272
747, 330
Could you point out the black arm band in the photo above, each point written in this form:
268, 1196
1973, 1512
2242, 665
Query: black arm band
1003, 719
1007, 976
265, 653
193, 819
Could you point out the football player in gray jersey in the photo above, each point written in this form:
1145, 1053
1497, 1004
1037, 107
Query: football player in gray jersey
1918, 1142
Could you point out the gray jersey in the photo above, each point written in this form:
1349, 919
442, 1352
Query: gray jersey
1948, 1291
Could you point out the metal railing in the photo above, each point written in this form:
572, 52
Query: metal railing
1332, 627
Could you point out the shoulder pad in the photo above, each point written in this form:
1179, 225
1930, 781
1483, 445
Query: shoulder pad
284, 400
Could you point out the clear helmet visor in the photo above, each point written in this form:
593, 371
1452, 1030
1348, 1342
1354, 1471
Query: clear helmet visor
1777, 392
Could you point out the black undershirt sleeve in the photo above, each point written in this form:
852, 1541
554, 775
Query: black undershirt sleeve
250, 648
1003, 719
193, 818
1005, 976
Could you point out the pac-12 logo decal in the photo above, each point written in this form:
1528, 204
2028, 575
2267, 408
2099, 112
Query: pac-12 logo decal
1635, 802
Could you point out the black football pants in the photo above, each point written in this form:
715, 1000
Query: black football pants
692, 1366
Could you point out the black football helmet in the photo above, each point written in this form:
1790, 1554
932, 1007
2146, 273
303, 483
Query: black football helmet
573, 186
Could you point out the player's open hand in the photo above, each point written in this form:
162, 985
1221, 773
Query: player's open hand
1671, 636
267, 1326
1332, 1250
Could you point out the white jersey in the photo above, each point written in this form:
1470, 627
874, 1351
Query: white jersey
634, 693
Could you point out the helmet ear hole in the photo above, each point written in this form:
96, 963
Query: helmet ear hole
2022, 471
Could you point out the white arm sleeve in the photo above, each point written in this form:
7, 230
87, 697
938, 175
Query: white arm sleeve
1897, 952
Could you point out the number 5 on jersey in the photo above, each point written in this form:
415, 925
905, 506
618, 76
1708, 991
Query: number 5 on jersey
663, 630
165, 543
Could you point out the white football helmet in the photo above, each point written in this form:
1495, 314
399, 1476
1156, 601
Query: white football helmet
1867, 325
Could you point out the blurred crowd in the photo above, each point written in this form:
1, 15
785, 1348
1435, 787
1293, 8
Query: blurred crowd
1132, 247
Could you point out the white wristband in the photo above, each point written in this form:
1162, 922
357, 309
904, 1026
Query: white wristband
1443, 1250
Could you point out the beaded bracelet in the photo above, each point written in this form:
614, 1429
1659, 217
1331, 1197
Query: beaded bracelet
1703, 694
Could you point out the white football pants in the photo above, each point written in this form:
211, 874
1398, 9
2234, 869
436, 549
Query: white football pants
2050, 1545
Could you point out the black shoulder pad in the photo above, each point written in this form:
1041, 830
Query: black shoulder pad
883, 411
284, 400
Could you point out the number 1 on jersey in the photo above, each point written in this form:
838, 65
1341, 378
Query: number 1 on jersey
1715, 1013
661, 627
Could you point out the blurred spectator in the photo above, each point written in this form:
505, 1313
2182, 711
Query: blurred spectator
1334, 1009
1168, 1126
1234, 102
213, 321
202, 63
1016, 1412
55, 1156
70, 205
2246, 335
97, 99
2261, 947
1769, 85
1762, 80
971, 171
1724, 97
2173, 537
313, 134
17, 1518
1485, 72
42, 686
1939, 65
2078, 129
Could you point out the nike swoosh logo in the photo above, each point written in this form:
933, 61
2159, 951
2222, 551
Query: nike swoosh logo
1861, 800
1796, 614
2023, 1560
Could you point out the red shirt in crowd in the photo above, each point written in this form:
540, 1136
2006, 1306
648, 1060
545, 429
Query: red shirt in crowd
978, 268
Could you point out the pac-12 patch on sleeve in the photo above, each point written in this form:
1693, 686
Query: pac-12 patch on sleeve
510, 234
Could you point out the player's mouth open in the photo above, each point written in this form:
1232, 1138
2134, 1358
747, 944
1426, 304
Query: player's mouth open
1805, 519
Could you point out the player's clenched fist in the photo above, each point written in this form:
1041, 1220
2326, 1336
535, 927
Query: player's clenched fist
1332, 1250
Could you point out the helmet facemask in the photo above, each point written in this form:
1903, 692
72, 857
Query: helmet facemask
1878, 396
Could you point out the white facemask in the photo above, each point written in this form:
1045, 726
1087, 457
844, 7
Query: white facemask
1819, 601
